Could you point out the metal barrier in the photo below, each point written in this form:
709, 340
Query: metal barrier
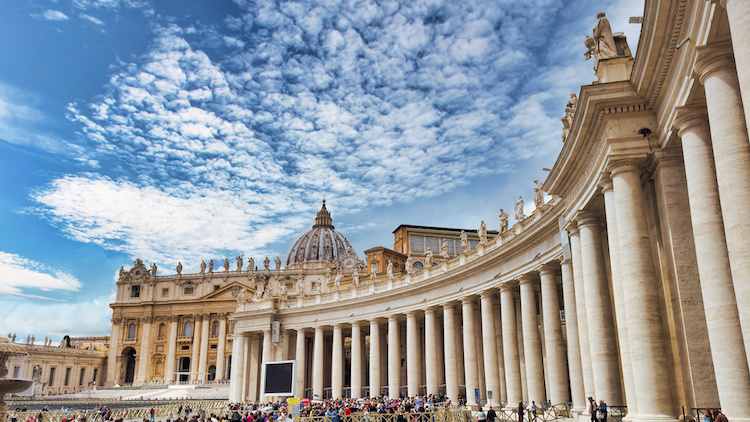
700, 413
616, 413
162, 411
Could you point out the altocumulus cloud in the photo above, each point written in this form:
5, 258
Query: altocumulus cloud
19, 275
247, 126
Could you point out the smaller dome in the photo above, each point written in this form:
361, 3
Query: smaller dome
320, 244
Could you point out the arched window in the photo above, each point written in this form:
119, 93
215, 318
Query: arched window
215, 329
162, 330
131, 330
188, 330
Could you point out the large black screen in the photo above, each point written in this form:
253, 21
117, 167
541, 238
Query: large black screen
279, 378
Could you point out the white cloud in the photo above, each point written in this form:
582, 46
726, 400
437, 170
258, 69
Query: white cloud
54, 15
91, 19
21, 275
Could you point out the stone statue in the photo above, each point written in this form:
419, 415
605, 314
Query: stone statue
389, 270
519, 209
300, 287
32, 340
573, 102
226, 265
241, 296
211, 266
503, 221
283, 290
570, 110
179, 268
46, 339
122, 273
464, 242
240, 263
278, 265
251, 265
538, 194
203, 267
407, 265
482, 233
590, 48
318, 287
428, 258
605, 42
153, 270
13, 339
444, 249
337, 282
266, 263
355, 278
373, 273
28, 339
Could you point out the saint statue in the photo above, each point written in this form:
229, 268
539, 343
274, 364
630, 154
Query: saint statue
538, 194
251, 265
211, 266
153, 270
203, 267
283, 290
122, 273
428, 258
464, 242
226, 265
355, 278
482, 233
444, 249
605, 42
519, 209
373, 273
389, 270
240, 263
241, 296
300, 288
503, 221
179, 268
266, 263
337, 282
278, 264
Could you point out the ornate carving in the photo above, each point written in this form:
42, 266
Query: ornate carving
464, 242
148, 319
116, 321
482, 233
538, 194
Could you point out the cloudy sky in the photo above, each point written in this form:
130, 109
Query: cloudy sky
182, 130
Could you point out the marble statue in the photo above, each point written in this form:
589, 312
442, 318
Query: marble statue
211, 266
318, 287
444, 249
28, 339
482, 233
122, 273
590, 48
46, 339
464, 242
13, 339
266, 263
226, 265
573, 102
503, 221
203, 267
373, 273
278, 264
538, 194
389, 270
283, 290
251, 265
179, 268
570, 110
300, 286
605, 42
428, 258
153, 270
337, 282
240, 263
355, 278
407, 265
519, 209
32, 340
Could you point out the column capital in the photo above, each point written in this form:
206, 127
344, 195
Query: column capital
488, 294
589, 219
528, 278
430, 310
337, 326
447, 305
508, 287
712, 58
148, 319
301, 330
468, 300
393, 318
606, 183
550, 268
411, 314
572, 227
318, 329
355, 323
618, 166
691, 117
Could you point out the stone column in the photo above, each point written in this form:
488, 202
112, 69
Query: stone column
503, 394
237, 377
532, 345
449, 335
318, 364
604, 356
558, 383
394, 357
470, 348
724, 332
738, 14
581, 313
648, 351
430, 351
575, 372
196, 348
299, 356
253, 367
169, 373
492, 374
337, 363
203, 361
480, 351
374, 358
617, 292
356, 371
510, 345
220, 358
413, 355
731, 150
143, 354
114, 351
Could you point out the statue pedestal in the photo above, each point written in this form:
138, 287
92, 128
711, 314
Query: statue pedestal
616, 69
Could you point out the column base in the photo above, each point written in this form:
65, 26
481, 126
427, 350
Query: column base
651, 418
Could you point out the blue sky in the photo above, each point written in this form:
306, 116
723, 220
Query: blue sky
182, 130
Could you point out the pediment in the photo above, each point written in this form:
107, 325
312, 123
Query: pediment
228, 292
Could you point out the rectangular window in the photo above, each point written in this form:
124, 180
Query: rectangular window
16, 372
213, 346
189, 290
135, 291
83, 372
185, 347
164, 292
67, 376
416, 243
433, 243
473, 244
51, 376
96, 372
216, 287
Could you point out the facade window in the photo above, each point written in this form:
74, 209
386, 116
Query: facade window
473, 244
162, 329
433, 243
96, 372
83, 372
185, 347
16, 372
416, 243
164, 292
135, 291
216, 287
131, 330
189, 290
215, 329
187, 330
67, 377
51, 376
418, 266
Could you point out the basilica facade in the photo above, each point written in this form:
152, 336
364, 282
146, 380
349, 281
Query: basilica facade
629, 285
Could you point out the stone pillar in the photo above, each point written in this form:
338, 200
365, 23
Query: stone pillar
531, 343
430, 351
203, 361
604, 356
220, 358
583, 325
617, 292
451, 370
558, 382
169, 373
575, 372
510, 345
492, 374
253, 367
318, 364
299, 357
724, 332
731, 149
648, 350
738, 14
374, 358
337, 363
114, 351
394, 357
470, 348
143, 354
503, 394
413, 355
356, 371
196, 348
480, 351
519, 340
237, 377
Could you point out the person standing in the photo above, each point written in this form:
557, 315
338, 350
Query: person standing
602, 411
719, 417
592, 409
491, 415
481, 416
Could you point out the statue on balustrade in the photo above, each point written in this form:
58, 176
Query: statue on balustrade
203, 267
444, 249
482, 233
538, 194
179, 268
337, 282
519, 210
226, 265
251, 265
211, 266
503, 221
153, 270
278, 264
464, 242
266, 263
428, 258
240, 263
389, 270
355, 277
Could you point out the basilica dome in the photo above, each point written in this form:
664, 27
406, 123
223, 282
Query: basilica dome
320, 244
